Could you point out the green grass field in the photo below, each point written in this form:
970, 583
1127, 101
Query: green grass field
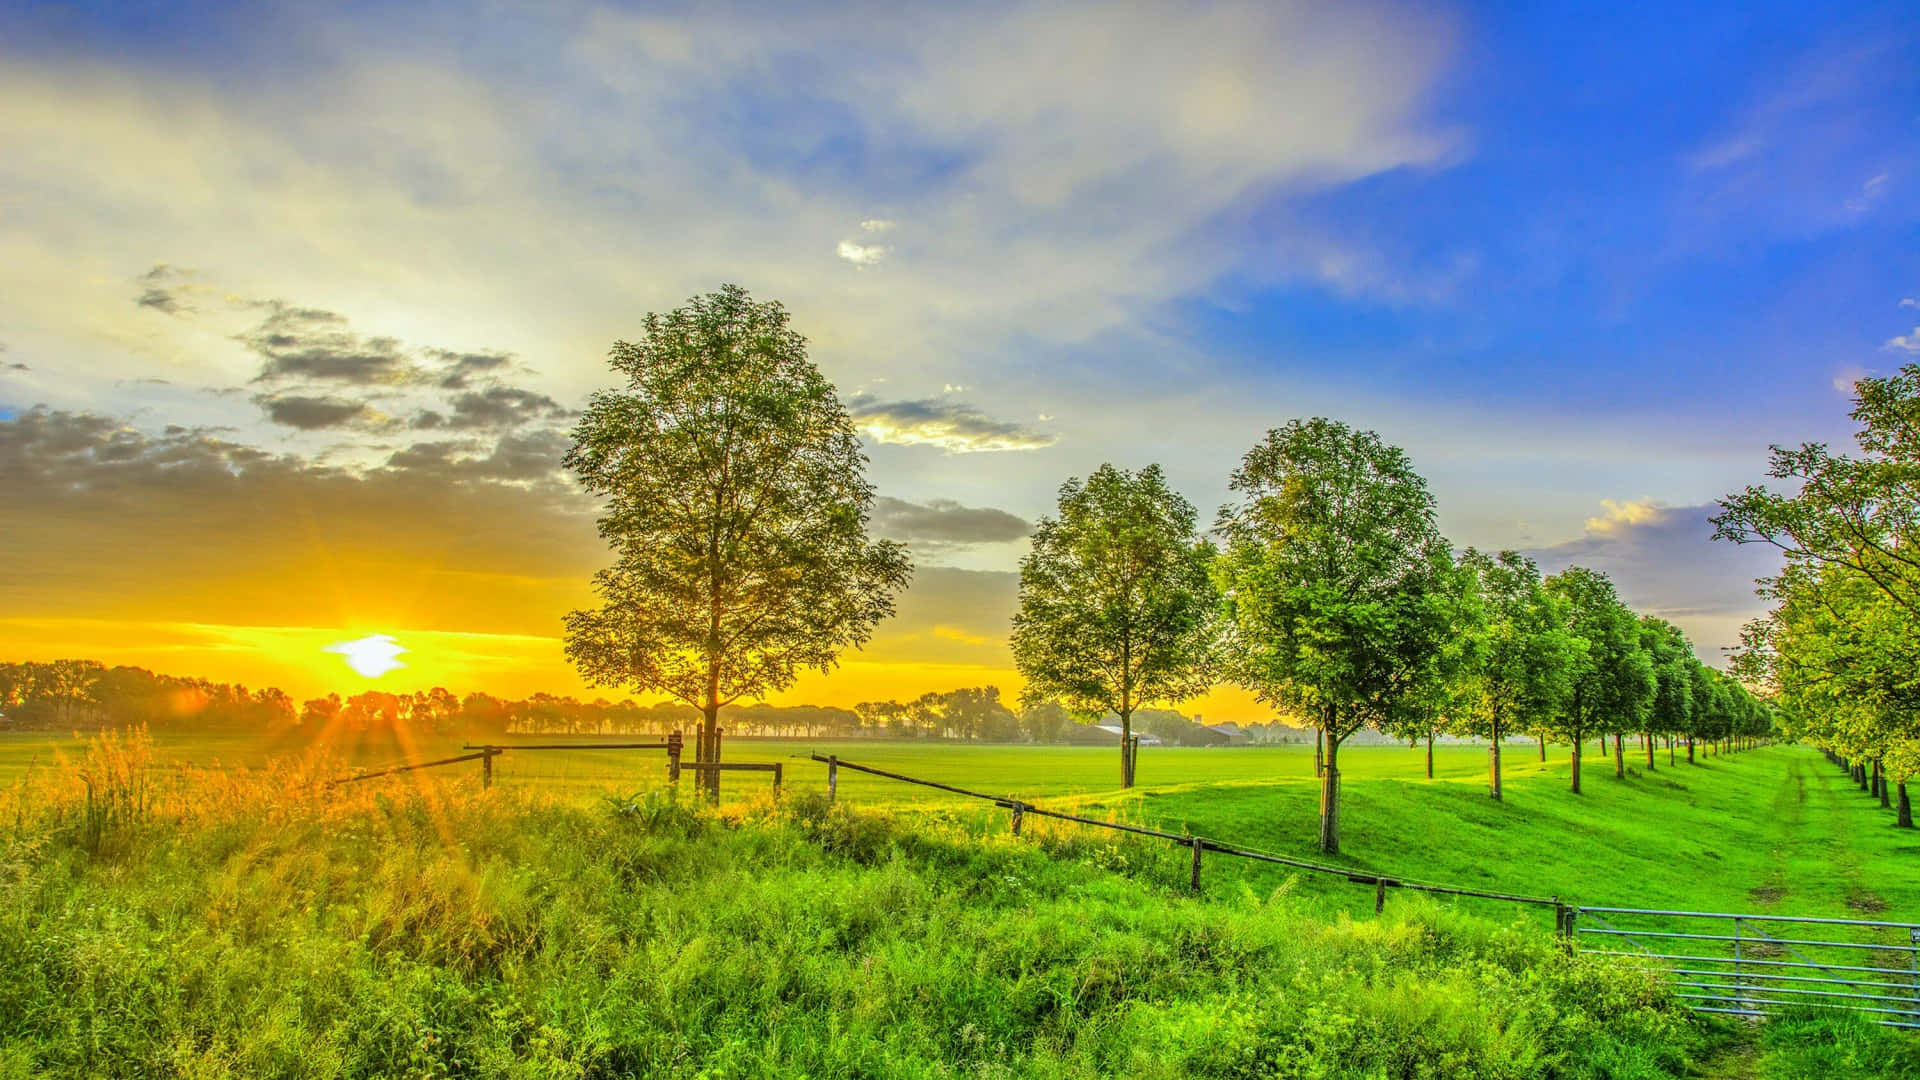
576, 922
1772, 829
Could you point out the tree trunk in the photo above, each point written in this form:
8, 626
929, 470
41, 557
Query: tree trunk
1493, 762
1603, 744
1578, 753
1330, 800
1880, 779
1619, 758
1319, 752
1690, 750
1126, 748
1646, 740
1669, 750
1429, 755
1905, 811
708, 749
1543, 747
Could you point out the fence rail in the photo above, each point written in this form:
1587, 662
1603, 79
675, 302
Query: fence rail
1021, 808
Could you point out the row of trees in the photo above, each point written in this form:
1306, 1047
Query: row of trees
1841, 647
74, 694
1334, 597
736, 504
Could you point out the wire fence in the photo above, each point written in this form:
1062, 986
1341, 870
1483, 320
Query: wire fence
1735, 974
1200, 845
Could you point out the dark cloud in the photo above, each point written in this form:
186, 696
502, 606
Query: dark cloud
951, 425
104, 520
309, 343
306, 343
1665, 562
503, 407
160, 290
459, 369
18, 366
313, 413
518, 457
944, 521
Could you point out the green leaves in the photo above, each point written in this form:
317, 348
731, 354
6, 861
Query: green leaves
1338, 599
1525, 674
1840, 645
736, 508
1116, 606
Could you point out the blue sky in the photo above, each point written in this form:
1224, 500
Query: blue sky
1583, 261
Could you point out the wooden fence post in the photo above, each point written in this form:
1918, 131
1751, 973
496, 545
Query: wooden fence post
833, 776
1019, 812
1197, 848
486, 769
776, 779
674, 743
1379, 895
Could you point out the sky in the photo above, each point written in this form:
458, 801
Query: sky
298, 302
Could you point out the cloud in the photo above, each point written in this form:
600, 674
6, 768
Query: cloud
946, 522
1811, 150
313, 413
1907, 343
862, 254
503, 407
1624, 515
461, 368
1848, 376
876, 225
309, 343
161, 288
1910, 302
518, 457
1665, 562
954, 426
108, 520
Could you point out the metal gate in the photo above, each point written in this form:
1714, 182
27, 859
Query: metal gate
1754, 965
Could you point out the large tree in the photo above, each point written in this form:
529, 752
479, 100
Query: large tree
1335, 582
1612, 682
1116, 605
736, 505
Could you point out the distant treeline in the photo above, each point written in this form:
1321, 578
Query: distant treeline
86, 694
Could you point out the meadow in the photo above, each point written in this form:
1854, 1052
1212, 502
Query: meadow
577, 920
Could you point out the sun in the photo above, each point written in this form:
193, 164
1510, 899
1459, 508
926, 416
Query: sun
371, 656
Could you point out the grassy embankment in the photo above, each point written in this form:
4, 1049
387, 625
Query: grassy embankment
251, 925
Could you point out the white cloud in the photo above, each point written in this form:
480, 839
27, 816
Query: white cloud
1908, 343
1625, 514
1910, 302
862, 254
877, 225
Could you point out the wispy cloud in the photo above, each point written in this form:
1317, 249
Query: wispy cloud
953, 426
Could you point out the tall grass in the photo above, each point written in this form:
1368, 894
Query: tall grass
254, 923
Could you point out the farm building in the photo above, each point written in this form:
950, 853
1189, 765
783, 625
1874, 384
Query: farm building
1223, 734
1105, 735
